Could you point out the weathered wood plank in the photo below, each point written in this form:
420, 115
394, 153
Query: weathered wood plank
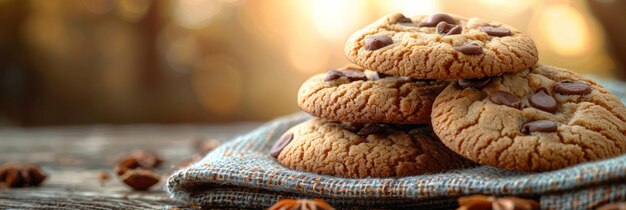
74, 157
79, 200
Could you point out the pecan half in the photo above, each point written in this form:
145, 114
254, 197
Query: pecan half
301, 204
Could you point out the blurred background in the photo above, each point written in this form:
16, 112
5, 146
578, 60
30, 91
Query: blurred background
211, 61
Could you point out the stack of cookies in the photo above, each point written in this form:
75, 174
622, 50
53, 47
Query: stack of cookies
433, 93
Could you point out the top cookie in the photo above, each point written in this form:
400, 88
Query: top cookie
441, 46
543, 118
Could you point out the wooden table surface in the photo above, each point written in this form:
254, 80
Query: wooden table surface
74, 157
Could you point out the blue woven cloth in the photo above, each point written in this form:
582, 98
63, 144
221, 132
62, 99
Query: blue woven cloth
242, 174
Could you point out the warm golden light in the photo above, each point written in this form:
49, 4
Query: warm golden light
218, 85
46, 34
410, 7
180, 49
508, 7
195, 13
133, 10
99, 6
213, 60
307, 56
334, 19
566, 30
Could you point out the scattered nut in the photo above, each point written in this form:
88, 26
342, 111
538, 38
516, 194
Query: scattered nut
138, 159
140, 179
126, 164
301, 204
137, 169
482, 202
145, 159
103, 176
21, 175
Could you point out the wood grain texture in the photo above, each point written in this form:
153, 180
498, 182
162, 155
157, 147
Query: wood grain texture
74, 157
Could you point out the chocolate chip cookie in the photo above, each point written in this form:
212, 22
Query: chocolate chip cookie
364, 150
354, 94
441, 46
542, 118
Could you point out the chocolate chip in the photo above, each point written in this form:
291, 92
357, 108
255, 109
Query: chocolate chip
371, 129
474, 83
506, 98
377, 42
383, 75
353, 75
282, 142
422, 80
448, 29
405, 127
332, 75
372, 75
404, 19
539, 126
572, 88
542, 100
417, 132
496, 31
353, 127
470, 49
435, 19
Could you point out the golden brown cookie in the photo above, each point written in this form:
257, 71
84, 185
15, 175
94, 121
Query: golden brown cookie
543, 118
441, 46
354, 94
364, 150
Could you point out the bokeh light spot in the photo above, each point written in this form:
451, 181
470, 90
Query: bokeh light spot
98, 6
133, 10
218, 84
411, 8
195, 14
308, 57
566, 30
334, 19
182, 53
508, 7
